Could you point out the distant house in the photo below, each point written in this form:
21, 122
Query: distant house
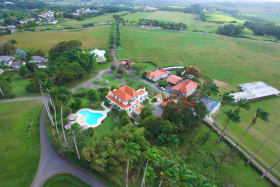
38, 59
157, 75
16, 64
127, 63
7, 60
159, 97
165, 102
99, 54
126, 98
173, 79
185, 88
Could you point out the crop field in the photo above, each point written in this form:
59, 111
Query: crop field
233, 61
94, 37
20, 154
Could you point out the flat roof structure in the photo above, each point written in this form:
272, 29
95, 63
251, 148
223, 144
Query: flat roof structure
254, 91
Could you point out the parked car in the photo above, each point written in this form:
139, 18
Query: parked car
162, 88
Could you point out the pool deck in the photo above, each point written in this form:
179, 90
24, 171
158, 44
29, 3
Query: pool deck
81, 120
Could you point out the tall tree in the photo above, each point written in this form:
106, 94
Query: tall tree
261, 146
132, 153
210, 89
152, 154
260, 114
63, 96
226, 99
167, 170
232, 116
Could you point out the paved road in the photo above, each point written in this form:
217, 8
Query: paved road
51, 163
21, 99
271, 178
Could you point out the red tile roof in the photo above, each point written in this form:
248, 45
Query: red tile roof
156, 74
131, 63
123, 62
159, 96
140, 92
164, 103
173, 79
125, 93
185, 86
119, 103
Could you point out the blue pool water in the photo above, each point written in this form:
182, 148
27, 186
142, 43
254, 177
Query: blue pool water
91, 117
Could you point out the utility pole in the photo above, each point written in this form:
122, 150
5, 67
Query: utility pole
268, 171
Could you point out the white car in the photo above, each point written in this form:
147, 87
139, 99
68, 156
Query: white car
162, 88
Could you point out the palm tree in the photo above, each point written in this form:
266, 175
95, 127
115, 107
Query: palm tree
226, 99
260, 147
63, 95
167, 170
260, 114
269, 169
53, 95
152, 154
232, 116
132, 153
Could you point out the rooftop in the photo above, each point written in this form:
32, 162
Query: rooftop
173, 79
158, 73
185, 86
125, 93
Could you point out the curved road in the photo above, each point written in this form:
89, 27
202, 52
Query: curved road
51, 163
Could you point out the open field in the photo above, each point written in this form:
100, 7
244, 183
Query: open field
94, 37
65, 180
19, 155
223, 18
230, 60
232, 171
72, 23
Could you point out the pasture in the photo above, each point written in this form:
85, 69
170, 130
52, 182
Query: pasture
233, 61
20, 154
94, 37
64, 180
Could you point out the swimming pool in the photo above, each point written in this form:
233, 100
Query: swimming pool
91, 118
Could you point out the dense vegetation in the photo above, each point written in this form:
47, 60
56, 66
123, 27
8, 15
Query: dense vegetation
67, 63
230, 30
262, 29
162, 24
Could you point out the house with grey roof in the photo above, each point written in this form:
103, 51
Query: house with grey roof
7, 60
38, 59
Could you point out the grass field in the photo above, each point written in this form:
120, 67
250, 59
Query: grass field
230, 60
71, 23
19, 155
65, 180
233, 171
94, 37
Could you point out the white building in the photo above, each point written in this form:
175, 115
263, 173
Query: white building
255, 90
99, 54
126, 98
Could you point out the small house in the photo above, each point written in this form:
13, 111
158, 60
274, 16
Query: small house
185, 88
173, 79
157, 75
38, 59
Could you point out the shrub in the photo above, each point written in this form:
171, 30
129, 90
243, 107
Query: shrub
163, 83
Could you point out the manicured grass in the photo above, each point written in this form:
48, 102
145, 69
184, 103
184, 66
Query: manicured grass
233, 171
230, 60
94, 37
64, 180
18, 85
108, 125
257, 134
20, 154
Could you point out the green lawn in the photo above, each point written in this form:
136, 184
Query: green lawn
94, 37
18, 85
233, 171
233, 61
223, 18
107, 81
64, 180
20, 154
108, 125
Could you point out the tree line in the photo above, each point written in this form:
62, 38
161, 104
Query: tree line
231, 30
162, 24
262, 29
